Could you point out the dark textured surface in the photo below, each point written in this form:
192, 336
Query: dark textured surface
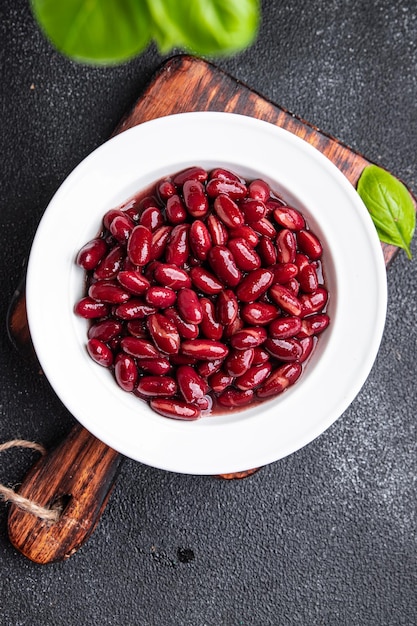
326, 536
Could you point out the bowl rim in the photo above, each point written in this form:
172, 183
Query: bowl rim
208, 446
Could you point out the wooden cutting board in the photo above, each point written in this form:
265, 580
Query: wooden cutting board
182, 84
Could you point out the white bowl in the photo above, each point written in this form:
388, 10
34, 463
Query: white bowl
355, 277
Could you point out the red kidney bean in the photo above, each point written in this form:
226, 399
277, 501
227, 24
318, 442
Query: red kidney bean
139, 348
100, 352
133, 281
192, 386
121, 227
175, 210
195, 198
217, 230
259, 190
284, 327
287, 217
205, 281
210, 327
313, 302
190, 173
164, 333
159, 242
259, 313
309, 244
106, 291
223, 264
204, 349
134, 309
279, 380
232, 188
166, 189
139, 245
293, 285
90, 309
307, 277
235, 397
199, 239
189, 306
152, 218
228, 211
260, 355
170, 275
248, 337
154, 386
161, 297
284, 349
177, 249
125, 372
301, 260
185, 329
233, 327
206, 368
110, 215
254, 377
286, 246
307, 345
219, 381
137, 328
253, 210
284, 272
313, 325
91, 254
246, 258
264, 227
247, 233
175, 409
158, 367
239, 361
110, 264
224, 174
254, 284
285, 299
227, 307
105, 330
267, 251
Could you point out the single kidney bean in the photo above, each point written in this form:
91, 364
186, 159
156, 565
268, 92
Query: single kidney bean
110, 215
218, 232
254, 377
238, 361
267, 251
192, 386
133, 281
210, 327
223, 264
222, 174
264, 227
100, 352
189, 306
204, 349
313, 325
246, 258
228, 211
307, 277
158, 367
125, 372
219, 381
259, 313
152, 218
287, 350
105, 330
227, 307
260, 355
166, 189
313, 302
159, 242
195, 198
285, 299
134, 309
232, 188
177, 249
106, 291
164, 333
137, 328
247, 233
161, 297
279, 380
199, 239
287, 217
259, 190
91, 254
110, 264
169, 275
307, 345
139, 348
253, 210
206, 368
284, 327
175, 210
284, 272
233, 327
286, 246
248, 338
293, 285
90, 309
175, 409
301, 260
139, 245
154, 386
185, 329
254, 284
121, 227
190, 173
205, 281
309, 244
235, 397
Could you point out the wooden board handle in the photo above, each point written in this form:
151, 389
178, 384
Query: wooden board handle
80, 473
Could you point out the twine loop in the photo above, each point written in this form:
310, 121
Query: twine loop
9, 495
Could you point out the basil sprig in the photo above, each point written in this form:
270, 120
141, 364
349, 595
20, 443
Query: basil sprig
112, 31
390, 206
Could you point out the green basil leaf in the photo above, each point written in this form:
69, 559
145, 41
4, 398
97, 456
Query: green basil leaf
390, 206
95, 31
207, 27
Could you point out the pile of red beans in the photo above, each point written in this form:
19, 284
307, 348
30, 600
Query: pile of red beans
204, 293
